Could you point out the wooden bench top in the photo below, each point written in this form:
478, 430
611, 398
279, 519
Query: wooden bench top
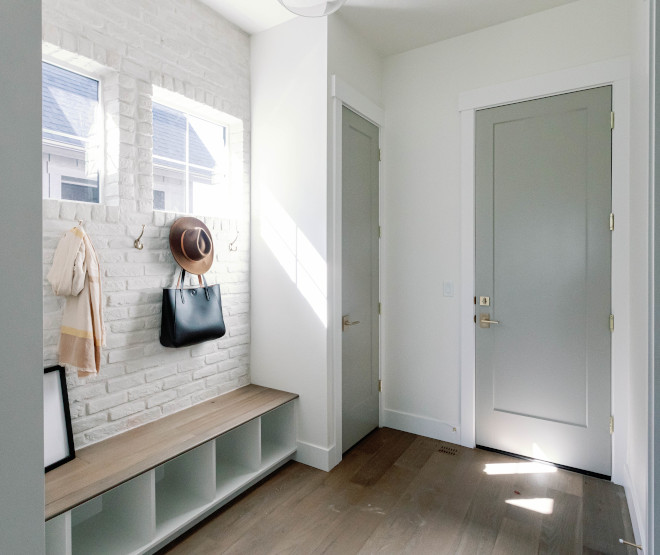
109, 463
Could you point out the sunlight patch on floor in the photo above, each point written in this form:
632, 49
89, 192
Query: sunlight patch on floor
543, 505
519, 468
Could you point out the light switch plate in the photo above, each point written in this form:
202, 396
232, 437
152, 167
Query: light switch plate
448, 288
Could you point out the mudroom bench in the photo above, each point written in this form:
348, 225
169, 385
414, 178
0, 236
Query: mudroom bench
135, 492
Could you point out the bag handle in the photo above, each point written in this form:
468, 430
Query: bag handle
181, 279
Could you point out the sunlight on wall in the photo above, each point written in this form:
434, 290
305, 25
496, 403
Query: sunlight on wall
300, 260
519, 468
539, 453
542, 505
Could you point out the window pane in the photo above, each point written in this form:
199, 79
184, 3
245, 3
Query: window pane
169, 133
207, 143
169, 188
70, 135
69, 104
82, 189
205, 193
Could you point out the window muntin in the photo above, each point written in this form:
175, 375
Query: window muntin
190, 160
70, 135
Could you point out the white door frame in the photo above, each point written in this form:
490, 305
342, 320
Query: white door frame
613, 72
345, 95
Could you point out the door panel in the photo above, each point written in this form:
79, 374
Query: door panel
359, 277
543, 256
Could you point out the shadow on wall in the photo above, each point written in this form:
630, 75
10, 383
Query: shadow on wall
300, 260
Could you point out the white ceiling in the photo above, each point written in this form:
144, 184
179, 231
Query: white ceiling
393, 26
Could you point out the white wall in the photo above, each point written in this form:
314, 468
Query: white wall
352, 59
184, 47
289, 224
420, 92
637, 455
21, 408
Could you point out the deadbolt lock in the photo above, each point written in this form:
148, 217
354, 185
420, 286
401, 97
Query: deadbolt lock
484, 301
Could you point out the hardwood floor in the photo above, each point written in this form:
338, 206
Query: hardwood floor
400, 493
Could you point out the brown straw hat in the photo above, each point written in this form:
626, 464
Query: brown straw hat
192, 245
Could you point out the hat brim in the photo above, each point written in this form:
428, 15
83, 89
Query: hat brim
176, 231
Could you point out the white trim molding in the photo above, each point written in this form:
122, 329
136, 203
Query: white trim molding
356, 101
420, 425
315, 455
612, 72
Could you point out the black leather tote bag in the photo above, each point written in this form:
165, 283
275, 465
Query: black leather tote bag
191, 315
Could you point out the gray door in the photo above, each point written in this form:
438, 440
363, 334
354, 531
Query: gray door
543, 261
359, 278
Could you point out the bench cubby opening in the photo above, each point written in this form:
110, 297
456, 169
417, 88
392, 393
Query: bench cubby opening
278, 435
184, 486
58, 535
116, 522
238, 458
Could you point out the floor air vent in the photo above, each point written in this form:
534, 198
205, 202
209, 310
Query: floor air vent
448, 450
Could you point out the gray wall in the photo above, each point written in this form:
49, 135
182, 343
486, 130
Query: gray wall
21, 413
654, 296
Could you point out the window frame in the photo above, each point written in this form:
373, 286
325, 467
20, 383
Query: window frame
100, 131
192, 108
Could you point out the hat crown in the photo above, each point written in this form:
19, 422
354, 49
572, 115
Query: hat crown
195, 243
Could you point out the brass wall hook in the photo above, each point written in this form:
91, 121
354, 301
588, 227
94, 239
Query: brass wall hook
137, 243
233, 247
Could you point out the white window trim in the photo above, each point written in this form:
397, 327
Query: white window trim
98, 76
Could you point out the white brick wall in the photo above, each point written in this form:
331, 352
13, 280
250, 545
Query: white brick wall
182, 46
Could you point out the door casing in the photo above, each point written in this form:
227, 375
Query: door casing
616, 73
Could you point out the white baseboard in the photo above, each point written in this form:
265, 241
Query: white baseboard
638, 523
316, 456
421, 425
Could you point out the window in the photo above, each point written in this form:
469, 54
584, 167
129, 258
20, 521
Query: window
71, 129
190, 161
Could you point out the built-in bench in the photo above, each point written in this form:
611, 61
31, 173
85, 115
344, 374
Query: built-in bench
136, 491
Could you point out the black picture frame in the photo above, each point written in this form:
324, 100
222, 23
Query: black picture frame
58, 434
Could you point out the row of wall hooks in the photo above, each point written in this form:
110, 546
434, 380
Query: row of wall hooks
139, 245
233, 247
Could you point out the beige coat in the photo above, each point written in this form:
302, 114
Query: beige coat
76, 274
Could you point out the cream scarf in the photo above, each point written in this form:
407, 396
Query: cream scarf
76, 274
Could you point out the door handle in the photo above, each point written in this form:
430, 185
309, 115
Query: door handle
345, 322
485, 322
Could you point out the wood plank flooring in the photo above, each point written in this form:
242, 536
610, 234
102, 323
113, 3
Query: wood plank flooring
400, 493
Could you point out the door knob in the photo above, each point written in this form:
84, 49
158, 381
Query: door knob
345, 322
485, 322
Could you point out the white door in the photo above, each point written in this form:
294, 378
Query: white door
543, 266
359, 278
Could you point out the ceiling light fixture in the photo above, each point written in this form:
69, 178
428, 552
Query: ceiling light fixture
312, 8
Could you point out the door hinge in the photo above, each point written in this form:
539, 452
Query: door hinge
611, 221
380, 386
380, 308
611, 322
380, 232
611, 120
611, 425
380, 155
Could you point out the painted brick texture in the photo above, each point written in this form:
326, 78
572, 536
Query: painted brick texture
133, 45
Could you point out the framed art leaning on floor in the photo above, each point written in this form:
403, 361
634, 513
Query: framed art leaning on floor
58, 436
